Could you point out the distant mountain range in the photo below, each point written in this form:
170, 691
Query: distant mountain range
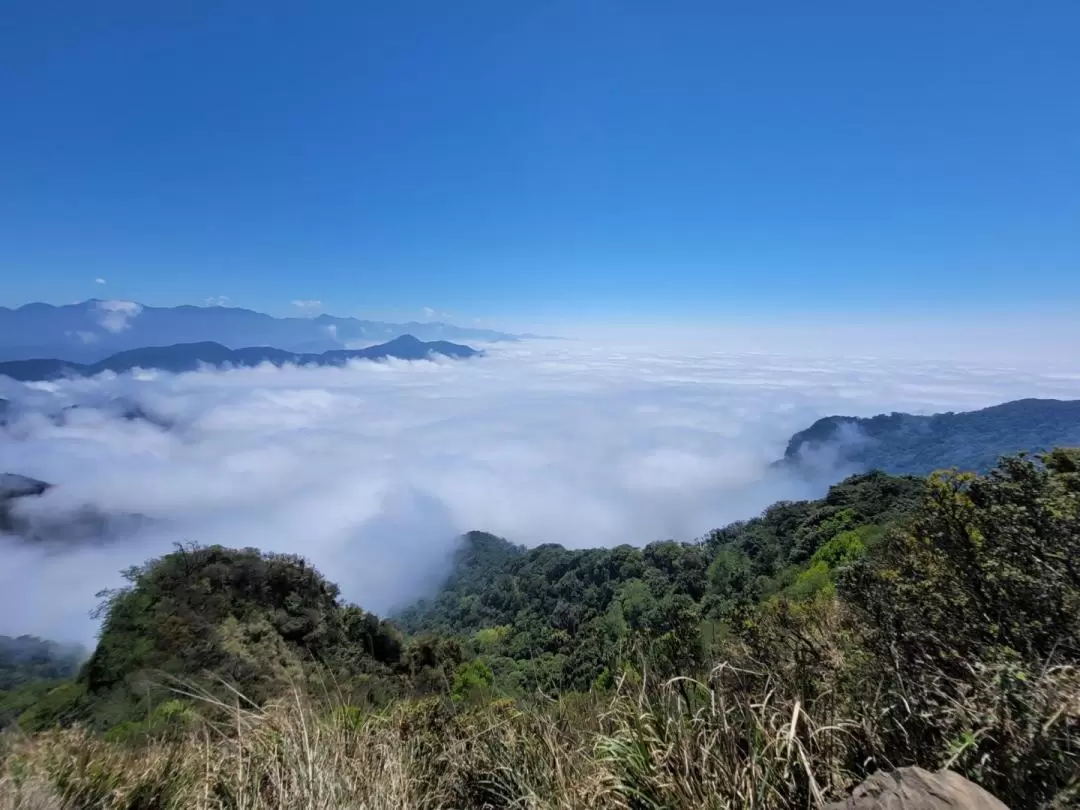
902, 443
191, 356
93, 330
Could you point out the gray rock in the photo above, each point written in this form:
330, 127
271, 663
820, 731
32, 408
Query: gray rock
916, 789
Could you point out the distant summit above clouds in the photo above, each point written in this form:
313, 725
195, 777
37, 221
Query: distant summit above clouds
183, 357
93, 330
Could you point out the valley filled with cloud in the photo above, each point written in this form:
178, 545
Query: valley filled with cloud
372, 471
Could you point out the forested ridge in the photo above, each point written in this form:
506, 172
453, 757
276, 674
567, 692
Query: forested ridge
910, 444
771, 663
25, 659
555, 618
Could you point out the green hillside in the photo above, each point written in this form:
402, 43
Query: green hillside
898, 620
905, 444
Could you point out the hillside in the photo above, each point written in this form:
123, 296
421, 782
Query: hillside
24, 659
554, 618
905, 444
201, 617
90, 331
191, 356
896, 621
30, 668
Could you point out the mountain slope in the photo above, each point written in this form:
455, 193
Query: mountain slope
905, 444
191, 356
230, 672
90, 331
550, 616
28, 658
258, 621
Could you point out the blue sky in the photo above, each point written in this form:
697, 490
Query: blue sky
519, 161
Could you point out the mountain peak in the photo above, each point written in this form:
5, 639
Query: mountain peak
182, 357
92, 330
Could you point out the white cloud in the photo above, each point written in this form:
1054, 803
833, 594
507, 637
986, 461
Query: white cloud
116, 316
331, 330
309, 305
217, 300
99, 280
431, 312
370, 471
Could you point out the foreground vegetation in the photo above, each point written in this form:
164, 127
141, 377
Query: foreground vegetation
774, 664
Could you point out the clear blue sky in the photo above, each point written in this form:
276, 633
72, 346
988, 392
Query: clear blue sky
531, 158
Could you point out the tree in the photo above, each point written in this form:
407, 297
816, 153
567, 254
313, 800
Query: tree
969, 614
259, 621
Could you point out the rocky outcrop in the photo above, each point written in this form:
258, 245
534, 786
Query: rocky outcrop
916, 789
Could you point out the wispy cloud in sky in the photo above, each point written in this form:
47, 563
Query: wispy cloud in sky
371, 471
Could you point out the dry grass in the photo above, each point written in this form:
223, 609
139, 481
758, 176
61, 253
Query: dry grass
738, 739
680, 745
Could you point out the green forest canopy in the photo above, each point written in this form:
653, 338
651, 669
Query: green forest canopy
909, 444
894, 591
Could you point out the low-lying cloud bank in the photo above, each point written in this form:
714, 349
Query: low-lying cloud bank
373, 470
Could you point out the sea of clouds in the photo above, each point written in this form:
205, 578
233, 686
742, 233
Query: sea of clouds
372, 471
